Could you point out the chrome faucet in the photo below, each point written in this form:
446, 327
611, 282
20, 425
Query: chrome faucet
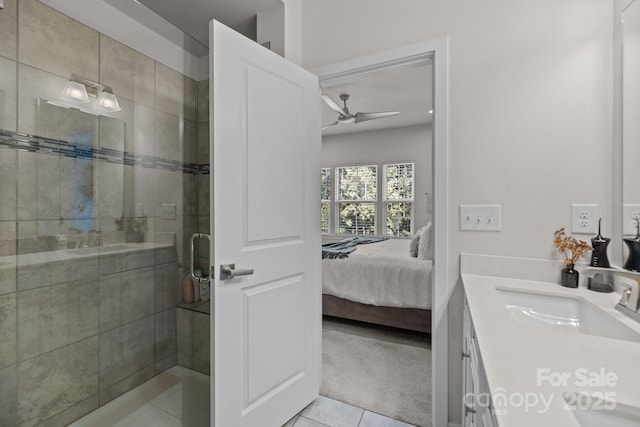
630, 281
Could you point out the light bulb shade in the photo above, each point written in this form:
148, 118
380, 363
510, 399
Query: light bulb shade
75, 91
108, 101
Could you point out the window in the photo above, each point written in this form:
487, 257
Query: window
325, 199
357, 195
398, 199
366, 202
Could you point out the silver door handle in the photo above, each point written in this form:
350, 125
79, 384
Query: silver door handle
229, 271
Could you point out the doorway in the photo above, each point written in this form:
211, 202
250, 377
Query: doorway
377, 182
433, 54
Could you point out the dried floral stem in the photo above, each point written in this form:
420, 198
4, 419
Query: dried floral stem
571, 248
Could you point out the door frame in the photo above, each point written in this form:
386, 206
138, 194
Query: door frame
436, 53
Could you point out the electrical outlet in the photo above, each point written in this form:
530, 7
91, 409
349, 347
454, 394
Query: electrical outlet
584, 219
630, 211
480, 217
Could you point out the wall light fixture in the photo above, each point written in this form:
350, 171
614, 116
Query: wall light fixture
87, 96
108, 101
75, 91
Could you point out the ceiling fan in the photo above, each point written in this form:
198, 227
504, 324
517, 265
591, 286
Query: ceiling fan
344, 116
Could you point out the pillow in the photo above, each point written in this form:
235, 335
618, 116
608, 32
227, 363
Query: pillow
413, 246
425, 244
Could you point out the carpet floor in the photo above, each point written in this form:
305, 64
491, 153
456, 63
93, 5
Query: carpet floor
383, 370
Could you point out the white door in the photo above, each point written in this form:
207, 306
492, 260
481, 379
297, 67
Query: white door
266, 217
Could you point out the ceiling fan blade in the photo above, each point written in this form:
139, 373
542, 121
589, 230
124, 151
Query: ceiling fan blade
332, 124
362, 117
332, 104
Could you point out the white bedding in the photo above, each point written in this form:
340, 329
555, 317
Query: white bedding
380, 273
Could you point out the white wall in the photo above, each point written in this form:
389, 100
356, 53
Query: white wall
411, 144
631, 104
530, 110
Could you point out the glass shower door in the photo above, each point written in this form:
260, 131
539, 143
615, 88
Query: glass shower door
99, 193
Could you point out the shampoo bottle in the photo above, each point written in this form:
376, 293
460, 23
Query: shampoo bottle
602, 282
187, 289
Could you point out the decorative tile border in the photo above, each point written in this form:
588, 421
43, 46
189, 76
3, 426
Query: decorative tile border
39, 144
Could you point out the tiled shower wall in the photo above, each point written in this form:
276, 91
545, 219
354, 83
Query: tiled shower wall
74, 336
203, 179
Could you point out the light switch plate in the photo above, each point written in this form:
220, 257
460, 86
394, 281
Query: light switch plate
168, 211
480, 218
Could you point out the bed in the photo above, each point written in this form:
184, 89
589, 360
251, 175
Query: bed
380, 283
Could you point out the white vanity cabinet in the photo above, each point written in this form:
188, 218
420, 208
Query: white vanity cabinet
477, 407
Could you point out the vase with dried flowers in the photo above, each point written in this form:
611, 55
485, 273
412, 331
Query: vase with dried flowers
572, 249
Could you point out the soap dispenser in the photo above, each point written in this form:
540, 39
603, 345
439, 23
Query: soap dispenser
602, 282
633, 261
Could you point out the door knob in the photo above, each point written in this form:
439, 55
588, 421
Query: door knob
229, 271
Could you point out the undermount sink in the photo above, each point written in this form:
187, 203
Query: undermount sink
570, 314
592, 411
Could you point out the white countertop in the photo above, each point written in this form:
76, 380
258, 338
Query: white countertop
521, 362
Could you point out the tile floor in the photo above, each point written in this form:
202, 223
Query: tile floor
158, 403
327, 412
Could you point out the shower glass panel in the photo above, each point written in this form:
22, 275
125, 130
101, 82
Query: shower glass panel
98, 198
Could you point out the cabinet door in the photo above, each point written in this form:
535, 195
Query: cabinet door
477, 409
468, 385
487, 420
468, 398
